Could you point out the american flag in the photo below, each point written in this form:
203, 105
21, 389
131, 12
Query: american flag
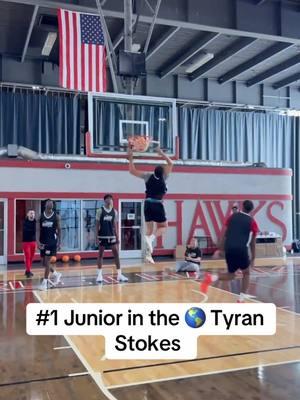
82, 53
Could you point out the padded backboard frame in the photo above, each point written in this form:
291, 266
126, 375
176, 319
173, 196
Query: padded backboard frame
93, 151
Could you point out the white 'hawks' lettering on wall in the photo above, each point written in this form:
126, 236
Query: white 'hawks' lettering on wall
207, 218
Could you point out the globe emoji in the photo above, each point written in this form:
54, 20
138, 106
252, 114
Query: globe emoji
195, 317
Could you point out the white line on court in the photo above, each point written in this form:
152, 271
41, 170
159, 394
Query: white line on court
147, 278
78, 374
200, 374
96, 376
205, 297
256, 301
62, 348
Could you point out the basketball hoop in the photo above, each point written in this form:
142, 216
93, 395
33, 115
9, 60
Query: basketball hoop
140, 143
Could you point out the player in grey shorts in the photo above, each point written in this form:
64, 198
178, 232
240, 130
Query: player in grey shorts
192, 259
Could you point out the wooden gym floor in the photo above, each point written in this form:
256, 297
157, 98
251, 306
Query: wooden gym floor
249, 367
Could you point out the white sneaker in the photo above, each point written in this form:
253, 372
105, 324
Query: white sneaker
44, 285
122, 278
149, 259
242, 298
99, 276
149, 245
197, 275
56, 278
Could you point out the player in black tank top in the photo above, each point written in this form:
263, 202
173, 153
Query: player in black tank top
239, 237
154, 211
107, 234
49, 243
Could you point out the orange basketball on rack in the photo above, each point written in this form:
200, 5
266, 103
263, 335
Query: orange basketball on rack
65, 259
77, 258
53, 260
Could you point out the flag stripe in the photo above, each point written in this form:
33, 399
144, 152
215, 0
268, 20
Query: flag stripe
71, 48
87, 67
82, 61
83, 66
104, 72
98, 52
78, 61
64, 53
75, 58
94, 67
68, 83
90, 57
61, 62
100, 78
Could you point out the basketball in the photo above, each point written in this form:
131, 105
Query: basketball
77, 258
139, 143
53, 260
65, 259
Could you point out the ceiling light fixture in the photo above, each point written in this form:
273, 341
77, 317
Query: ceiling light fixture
49, 43
199, 61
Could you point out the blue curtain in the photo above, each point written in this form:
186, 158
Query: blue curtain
44, 123
244, 136
236, 136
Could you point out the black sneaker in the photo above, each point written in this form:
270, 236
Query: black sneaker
28, 274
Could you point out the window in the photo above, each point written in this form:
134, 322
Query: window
78, 219
89, 209
69, 212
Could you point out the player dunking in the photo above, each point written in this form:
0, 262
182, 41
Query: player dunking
107, 233
156, 189
49, 243
240, 234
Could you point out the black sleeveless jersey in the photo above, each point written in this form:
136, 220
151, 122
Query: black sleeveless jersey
107, 223
156, 188
48, 229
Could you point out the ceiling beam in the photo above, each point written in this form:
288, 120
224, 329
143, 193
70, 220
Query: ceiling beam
181, 57
162, 41
246, 66
111, 55
29, 32
120, 36
204, 25
118, 39
228, 52
274, 71
150, 31
286, 81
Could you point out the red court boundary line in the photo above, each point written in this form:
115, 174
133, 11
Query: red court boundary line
193, 169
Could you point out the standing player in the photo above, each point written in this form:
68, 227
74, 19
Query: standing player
107, 233
49, 243
29, 241
239, 237
156, 189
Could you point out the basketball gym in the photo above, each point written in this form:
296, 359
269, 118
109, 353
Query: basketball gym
93, 92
